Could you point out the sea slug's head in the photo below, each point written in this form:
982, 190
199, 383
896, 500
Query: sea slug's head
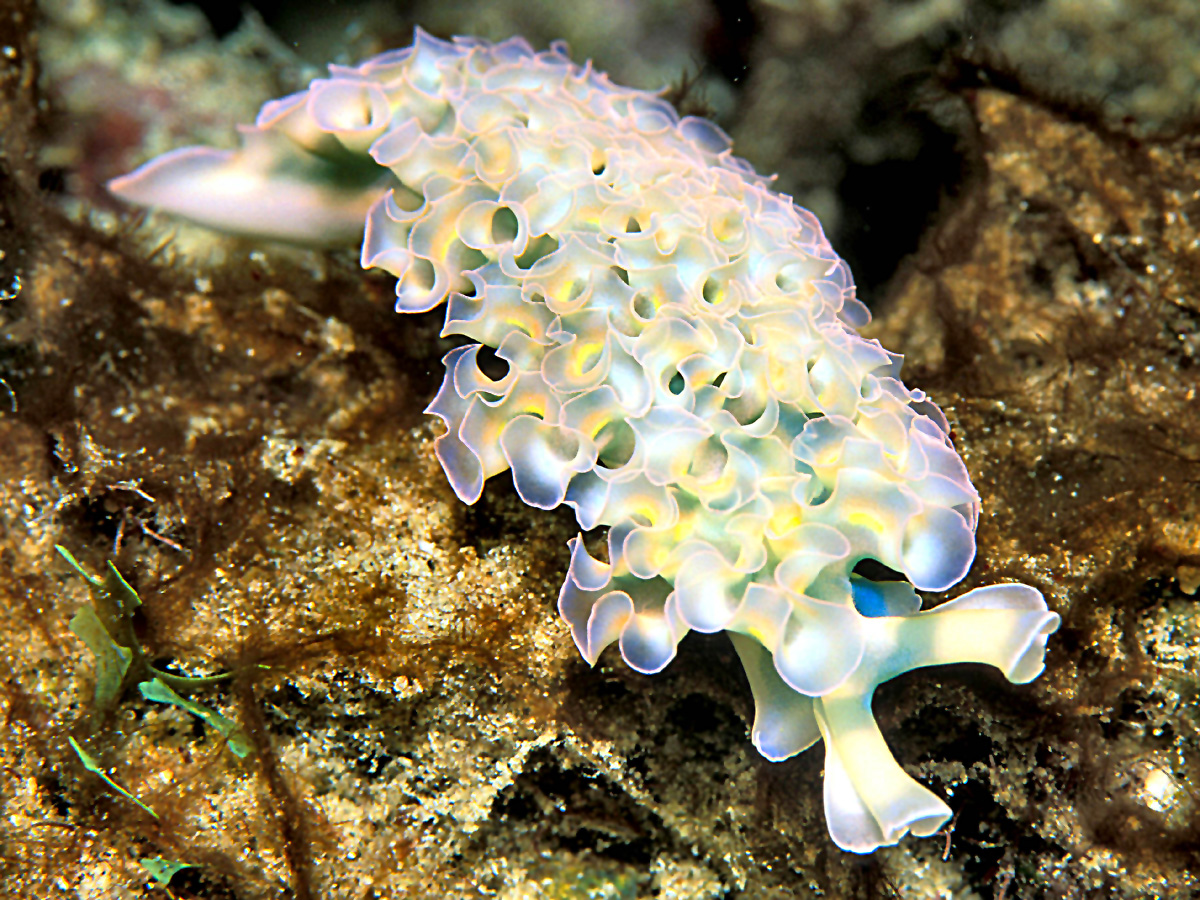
301, 175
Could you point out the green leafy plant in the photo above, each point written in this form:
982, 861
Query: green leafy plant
93, 765
162, 870
239, 744
106, 628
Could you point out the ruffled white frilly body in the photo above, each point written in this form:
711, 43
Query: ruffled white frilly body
680, 364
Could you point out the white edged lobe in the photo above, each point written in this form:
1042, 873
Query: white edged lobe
784, 722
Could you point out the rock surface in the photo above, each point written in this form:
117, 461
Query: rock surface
238, 427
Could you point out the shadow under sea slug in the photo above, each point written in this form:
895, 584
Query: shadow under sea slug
682, 367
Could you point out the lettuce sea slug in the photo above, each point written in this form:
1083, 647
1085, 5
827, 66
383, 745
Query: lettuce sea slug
682, 367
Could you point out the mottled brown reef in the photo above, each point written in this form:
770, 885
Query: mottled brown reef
238, 428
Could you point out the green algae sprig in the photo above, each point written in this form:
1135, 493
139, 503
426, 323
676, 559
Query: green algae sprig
106, 629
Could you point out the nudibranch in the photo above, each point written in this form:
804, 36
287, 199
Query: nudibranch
678, 362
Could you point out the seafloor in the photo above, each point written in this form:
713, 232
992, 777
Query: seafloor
239, 429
